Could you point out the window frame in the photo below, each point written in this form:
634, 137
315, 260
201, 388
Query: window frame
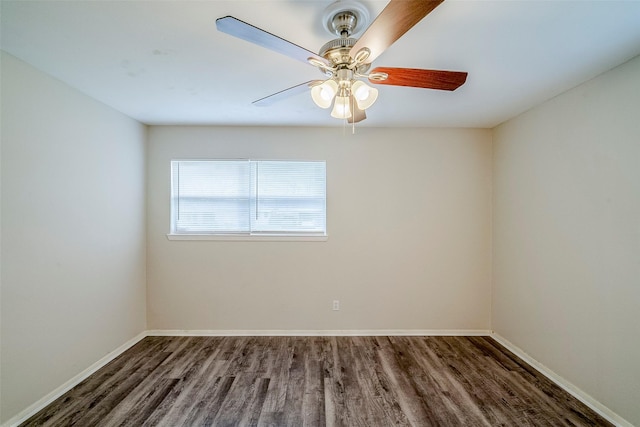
245, 236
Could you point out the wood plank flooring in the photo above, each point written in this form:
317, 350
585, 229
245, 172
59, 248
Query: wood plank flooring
317, 381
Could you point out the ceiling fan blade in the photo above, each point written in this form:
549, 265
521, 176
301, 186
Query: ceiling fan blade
398, 17
286, 93
248, 32
415, 77
357, 115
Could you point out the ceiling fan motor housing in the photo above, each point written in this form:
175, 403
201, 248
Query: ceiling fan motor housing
338, 52
344, 18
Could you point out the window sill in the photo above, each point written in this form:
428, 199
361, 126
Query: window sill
250, 238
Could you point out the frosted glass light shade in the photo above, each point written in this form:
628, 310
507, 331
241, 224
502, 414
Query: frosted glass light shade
364, 94
341, 109
323, 94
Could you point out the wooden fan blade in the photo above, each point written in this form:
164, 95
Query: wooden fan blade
248, 32
286, 93
357, 115
398, 17
415, 77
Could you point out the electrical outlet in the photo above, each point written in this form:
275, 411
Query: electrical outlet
336, 305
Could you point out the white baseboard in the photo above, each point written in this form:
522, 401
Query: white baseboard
321, 333
33, 409
566, 385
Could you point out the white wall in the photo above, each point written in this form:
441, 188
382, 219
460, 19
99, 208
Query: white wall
567, 236
73, 233
409, 220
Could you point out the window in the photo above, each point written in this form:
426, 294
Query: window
247, 197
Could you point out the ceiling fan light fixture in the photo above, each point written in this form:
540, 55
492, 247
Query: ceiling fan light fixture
324, 93
341, 108
364, 94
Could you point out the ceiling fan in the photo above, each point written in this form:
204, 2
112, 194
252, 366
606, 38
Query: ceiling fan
346, 61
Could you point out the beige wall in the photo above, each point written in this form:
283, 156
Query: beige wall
73, 252
409, 220
410, 217
567, 236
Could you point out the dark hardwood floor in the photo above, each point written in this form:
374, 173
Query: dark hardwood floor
316, 381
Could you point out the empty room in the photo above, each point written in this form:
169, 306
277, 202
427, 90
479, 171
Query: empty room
319, 212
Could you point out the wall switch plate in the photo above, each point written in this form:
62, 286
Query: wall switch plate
336, 305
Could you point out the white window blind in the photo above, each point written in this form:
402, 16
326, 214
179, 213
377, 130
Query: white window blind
248, 197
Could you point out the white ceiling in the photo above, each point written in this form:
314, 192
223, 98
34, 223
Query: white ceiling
164, 62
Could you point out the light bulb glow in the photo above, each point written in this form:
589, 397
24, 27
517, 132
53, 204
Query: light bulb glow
341, 108
361, 93
364, 94
323, 94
